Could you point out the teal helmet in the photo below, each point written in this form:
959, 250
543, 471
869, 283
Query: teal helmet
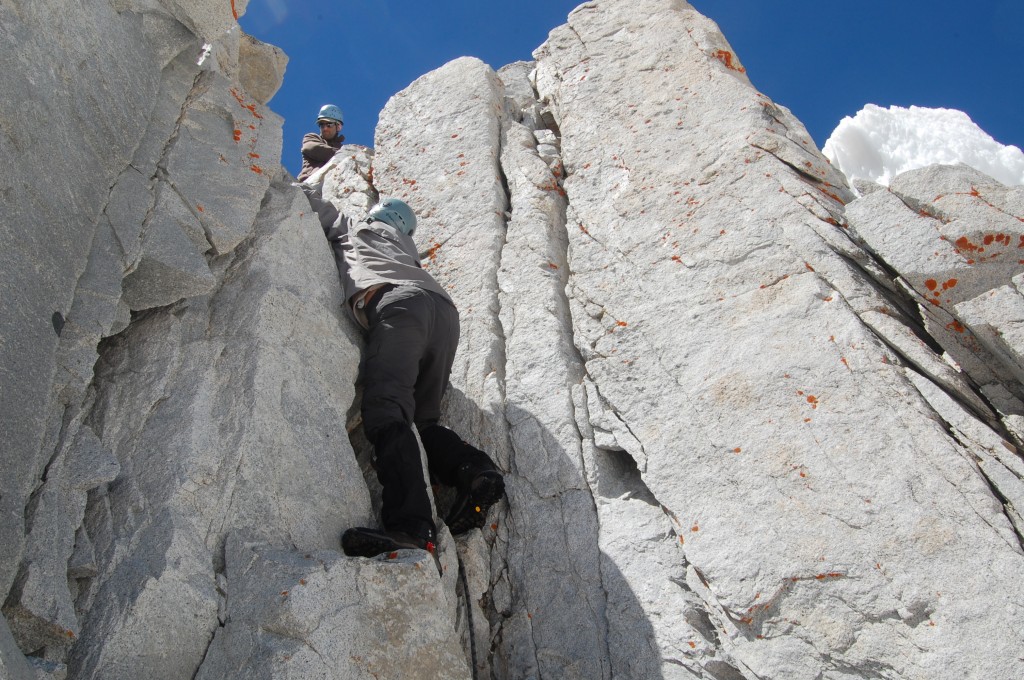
330, 112
395, 212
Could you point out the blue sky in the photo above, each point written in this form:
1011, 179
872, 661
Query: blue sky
823, 60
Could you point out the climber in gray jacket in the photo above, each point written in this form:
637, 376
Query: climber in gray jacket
413, 332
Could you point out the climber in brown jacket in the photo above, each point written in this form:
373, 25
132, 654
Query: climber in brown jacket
317, 149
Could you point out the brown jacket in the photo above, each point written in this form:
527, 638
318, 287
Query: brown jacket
316, 151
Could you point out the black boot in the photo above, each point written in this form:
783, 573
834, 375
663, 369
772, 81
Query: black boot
484, 489
455, 463
364, 542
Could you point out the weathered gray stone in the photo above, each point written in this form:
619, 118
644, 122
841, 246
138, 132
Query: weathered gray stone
321, 615
437, 147
60, 61
448, 171
169, 266
13, 665
952, 234
48, 670
750, 427
261, 68
249, 358
345, 180
711, 310
40, 608
207, 19
552, 521
226, 148
997, 319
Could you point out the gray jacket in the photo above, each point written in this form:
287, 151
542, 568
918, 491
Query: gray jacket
370, 255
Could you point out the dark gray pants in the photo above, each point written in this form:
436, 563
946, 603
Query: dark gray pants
413, 337
409, 354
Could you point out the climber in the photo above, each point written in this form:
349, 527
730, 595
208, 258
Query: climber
413, 332
317, 149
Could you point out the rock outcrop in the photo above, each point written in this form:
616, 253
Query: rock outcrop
751, 426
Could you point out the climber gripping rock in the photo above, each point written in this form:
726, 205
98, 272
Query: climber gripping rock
317, 149
413, 333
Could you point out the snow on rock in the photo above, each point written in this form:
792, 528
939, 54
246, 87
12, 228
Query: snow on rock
751, 425
877, 144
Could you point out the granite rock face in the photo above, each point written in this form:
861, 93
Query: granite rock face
751, 426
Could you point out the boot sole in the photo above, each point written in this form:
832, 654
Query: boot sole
470, 510
358, 544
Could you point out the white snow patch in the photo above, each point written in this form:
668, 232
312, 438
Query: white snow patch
878, 144
205, 54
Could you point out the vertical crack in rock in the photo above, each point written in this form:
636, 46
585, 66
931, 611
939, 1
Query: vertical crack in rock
201, 84
550, 497
989, 453
633, 620
1006, 504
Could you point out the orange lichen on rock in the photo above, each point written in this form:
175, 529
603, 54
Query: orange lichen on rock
432, 251
964, 243
726, 57
251, 108
833, 196
827, 576
552, 185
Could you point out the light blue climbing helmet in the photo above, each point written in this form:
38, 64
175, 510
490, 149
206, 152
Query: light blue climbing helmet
330, 112
395, 212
